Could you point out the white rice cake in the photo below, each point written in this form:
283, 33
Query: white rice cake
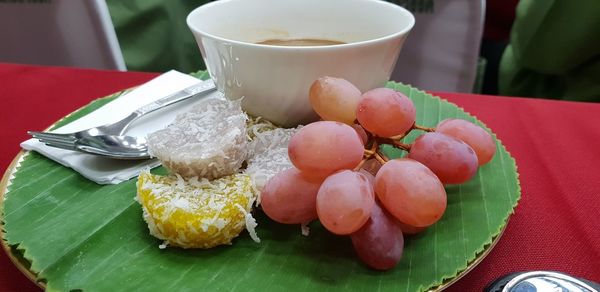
209, 141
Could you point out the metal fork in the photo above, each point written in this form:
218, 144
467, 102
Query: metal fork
68, 140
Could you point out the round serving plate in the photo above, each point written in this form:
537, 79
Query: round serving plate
67, 233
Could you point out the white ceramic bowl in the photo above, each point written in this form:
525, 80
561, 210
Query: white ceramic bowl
274, 80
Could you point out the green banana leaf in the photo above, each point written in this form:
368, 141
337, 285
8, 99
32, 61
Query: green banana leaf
77, 235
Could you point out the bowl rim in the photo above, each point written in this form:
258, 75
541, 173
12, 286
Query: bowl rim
398, 34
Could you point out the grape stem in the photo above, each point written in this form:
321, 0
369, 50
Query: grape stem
423, 128
394, 141
360, 165
381, 158
372, 150
399, 137
367, 154
375, 141
403, 146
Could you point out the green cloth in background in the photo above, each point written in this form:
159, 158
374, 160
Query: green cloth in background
554, 51
154, 36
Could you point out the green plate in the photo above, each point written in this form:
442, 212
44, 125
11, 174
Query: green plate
68, 233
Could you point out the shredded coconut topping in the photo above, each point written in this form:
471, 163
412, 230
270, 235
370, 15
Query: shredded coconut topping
268, 155
250, 224
205, 203
199, 214
207, 141
305, 229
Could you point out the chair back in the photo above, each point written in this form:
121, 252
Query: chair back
441, 53
59, 32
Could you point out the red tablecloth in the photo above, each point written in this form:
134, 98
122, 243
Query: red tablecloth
556, 225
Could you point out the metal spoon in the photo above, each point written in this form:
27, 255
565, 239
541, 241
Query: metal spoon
117, 147
539, 281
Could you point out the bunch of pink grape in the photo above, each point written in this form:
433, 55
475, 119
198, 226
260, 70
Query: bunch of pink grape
343, 180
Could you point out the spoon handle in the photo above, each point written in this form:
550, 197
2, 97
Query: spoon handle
192, 91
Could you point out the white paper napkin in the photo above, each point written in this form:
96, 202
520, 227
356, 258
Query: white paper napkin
110, 171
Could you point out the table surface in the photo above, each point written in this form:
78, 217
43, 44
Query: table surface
556, 144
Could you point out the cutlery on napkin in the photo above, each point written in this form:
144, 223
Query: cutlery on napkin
110, 171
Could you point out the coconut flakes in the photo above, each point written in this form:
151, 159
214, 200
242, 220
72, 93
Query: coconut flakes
207, 141
268, 155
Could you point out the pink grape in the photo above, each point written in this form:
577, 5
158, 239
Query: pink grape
410, 192
290, 198
386, 112
334, 99
475, 136
362, 134
368, 175
452, 160
409, 229
379, 243
321, 148
345, 201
